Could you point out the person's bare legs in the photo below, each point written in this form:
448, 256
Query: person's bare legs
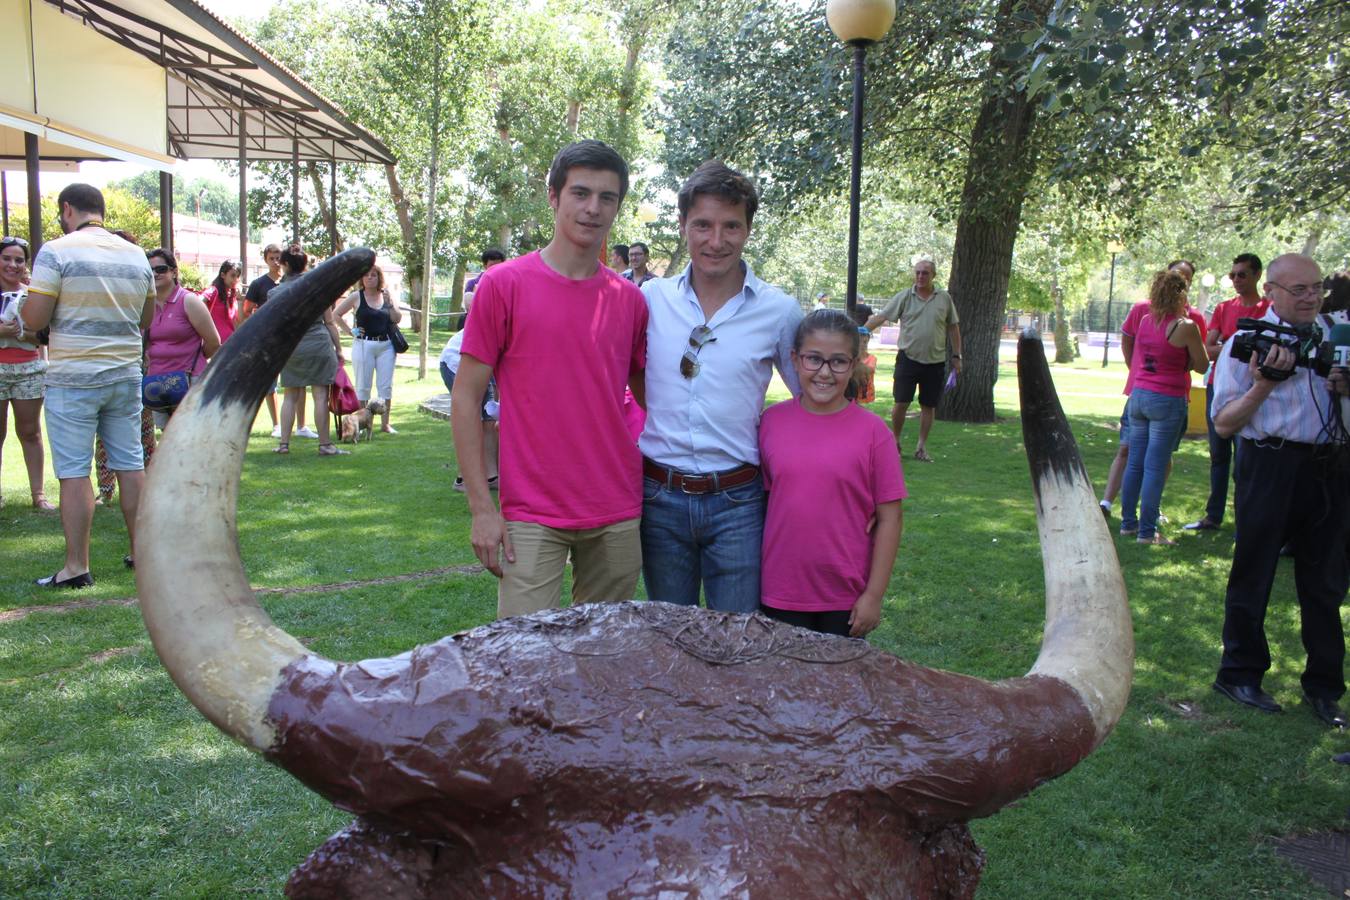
288, 401
272, 407
27, 424
129, 486
4, 430
898, 420
384, 416
926, 416
77, 518
1115, 475
300, 412
321, 424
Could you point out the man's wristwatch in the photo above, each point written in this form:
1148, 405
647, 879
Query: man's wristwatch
956, 356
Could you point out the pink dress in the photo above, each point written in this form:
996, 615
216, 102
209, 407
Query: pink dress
174, 345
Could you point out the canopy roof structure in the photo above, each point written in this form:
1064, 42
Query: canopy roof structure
148, 81
155, 81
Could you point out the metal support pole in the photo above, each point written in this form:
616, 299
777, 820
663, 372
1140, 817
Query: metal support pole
166, 210
1110, 296
295, 190
243, 201
855, 178
4, 199
332, 202
30, 165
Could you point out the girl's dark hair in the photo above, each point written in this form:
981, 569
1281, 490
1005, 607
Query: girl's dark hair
295, 259
828, 320
218, 282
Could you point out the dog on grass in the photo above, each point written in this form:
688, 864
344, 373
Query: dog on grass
357, 426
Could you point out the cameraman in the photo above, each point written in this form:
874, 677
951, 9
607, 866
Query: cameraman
1291, 483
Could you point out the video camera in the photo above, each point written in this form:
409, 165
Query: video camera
1260, 337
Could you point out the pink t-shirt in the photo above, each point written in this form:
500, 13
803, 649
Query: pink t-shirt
825, 476
222, 311
1130, 326
562, 351
1225, 317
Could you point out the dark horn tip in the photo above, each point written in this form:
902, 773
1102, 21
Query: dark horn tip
243, 370
1045, 429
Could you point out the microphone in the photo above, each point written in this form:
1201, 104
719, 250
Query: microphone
1339, 339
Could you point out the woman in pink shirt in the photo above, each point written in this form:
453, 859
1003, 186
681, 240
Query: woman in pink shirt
1167, 348
222, 298
830, 467
181, 337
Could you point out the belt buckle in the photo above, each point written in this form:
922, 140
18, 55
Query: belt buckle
684, 486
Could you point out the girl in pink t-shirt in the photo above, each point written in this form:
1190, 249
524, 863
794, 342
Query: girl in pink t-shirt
830, 468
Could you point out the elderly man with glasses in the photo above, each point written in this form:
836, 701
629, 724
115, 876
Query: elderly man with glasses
715, 335
1292, 481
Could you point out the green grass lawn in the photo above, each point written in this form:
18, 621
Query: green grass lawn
112, 785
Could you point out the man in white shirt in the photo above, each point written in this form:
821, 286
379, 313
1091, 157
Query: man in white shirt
1291, 485
715, 334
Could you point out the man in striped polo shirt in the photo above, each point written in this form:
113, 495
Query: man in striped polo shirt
97, 293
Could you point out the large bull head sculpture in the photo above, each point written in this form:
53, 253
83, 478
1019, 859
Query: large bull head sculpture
633, 749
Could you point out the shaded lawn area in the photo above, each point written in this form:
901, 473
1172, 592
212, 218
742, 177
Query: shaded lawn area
114, 786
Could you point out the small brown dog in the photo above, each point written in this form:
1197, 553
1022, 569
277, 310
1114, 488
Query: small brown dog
355, 425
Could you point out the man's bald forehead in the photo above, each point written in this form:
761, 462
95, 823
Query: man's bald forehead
1293, 264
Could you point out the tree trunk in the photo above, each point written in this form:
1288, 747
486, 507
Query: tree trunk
676, 258
573, 116
457, 286
429, 259
325, 210
998, 175
411, 266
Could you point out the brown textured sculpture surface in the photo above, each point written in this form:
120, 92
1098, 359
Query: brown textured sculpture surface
625, 750
543, 748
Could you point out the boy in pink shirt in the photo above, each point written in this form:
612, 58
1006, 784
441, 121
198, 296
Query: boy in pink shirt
562, 334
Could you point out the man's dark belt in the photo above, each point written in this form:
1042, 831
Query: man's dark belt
702, 483
1280, 444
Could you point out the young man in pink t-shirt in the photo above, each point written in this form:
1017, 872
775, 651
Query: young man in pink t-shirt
1248, 304
563, 334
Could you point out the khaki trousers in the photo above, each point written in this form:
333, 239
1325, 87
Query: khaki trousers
605, 565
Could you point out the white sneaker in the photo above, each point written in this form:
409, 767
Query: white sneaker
459, 483
276, 431
306, 432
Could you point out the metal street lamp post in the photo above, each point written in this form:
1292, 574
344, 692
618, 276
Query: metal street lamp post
1114, 248
858, 23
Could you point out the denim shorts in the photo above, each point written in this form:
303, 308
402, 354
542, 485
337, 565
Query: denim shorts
76, 415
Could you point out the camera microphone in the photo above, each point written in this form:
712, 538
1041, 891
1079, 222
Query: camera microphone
1339, 339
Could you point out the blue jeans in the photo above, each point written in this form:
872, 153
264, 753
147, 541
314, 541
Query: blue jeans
1155, 421
712, 539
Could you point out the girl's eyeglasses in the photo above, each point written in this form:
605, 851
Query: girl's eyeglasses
159, 269
839, 365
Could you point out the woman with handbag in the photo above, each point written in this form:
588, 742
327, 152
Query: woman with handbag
222, 298
21, 366
373, 339
179, 341
313, 365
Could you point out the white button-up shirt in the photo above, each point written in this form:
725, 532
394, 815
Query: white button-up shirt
710, 423
1295, 410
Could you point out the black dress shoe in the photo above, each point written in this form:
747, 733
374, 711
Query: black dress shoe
1248, 695
1326, 710
74, 581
